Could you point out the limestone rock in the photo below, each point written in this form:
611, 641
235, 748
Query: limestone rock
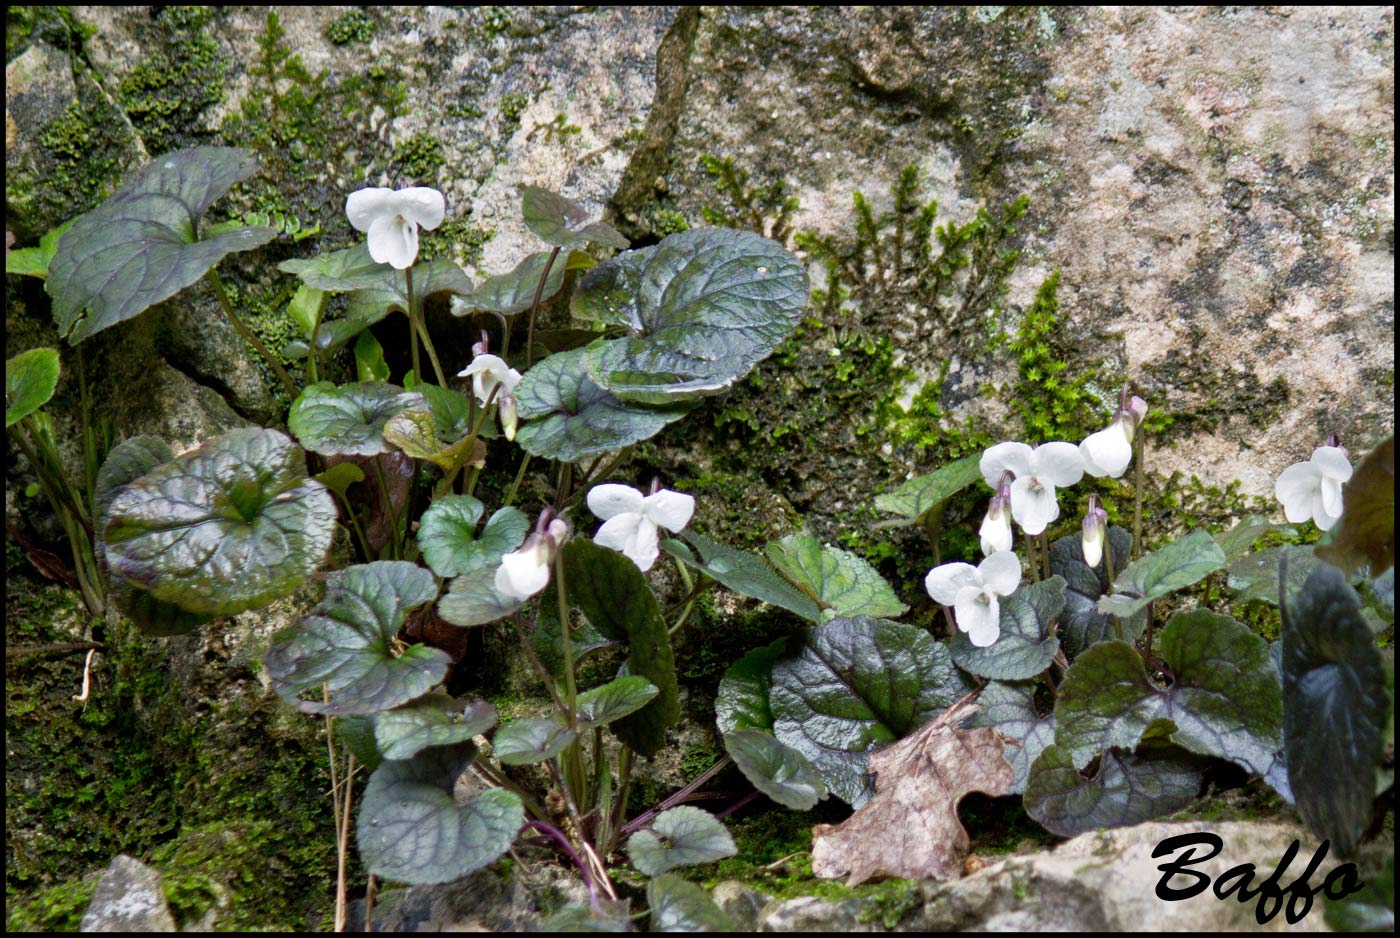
129, 899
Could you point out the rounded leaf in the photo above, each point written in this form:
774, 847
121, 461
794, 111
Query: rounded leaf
434, 720
780, 772
560, 221
30, 380
522, 742
682, 836
349, 419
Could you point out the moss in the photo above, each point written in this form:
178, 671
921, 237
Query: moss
352, 26
419, 158
53, 26
463, 239
557, 130
512, 106
698, 758
765, 208
55, 909
166, 94
1052, 404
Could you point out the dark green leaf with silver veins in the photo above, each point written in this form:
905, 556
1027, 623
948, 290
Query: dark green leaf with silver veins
1127, 789
560, 221
1025, 646
682, 836
348, 419
434, 720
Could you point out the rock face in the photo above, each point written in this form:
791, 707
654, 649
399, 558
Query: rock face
129, 899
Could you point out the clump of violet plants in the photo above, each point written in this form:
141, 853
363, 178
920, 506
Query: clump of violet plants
1107, 716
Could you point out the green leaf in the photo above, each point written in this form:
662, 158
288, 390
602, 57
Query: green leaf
512, 293
561, 222
389, 293
678, 905
701, 309
306, 308
369, 359
346, 643
1082, 624
1025, 647
683, 836
613, 701
581, 917
912, 500
742, 701
412, 830
1255, 576
1182, 562
780, 772
1010, 709
340, 477
128, 461
854, 685
614, 596
524, 742
1127, 789
34, 262
472, 598
1223, 702
357, 733
452, 411
348, 419
339, 271
140, 247
415, 433
841, 583
548, 640
223, 528
154, 617
1239, 540
1335, 707
30, 380
1366, 532
570, 417
742, 572
447, 535
434, 720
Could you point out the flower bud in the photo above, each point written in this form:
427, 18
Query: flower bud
996, 527
1095, 532
509, 420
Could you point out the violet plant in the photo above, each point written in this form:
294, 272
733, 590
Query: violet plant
1106, 716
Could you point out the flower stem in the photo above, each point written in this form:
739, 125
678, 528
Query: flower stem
515, 486
412, 326
1140, 444
535, 308
419, 324
242, 329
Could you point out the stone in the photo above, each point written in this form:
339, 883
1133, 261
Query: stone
811, 914
128, 899
487, 900
743, 904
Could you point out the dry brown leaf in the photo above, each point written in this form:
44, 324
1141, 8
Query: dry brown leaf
909, 828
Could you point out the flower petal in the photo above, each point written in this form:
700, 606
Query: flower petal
421, 206
366, 206
1060, 463
609, 500
944, 582
1001, 572
644, 550
1333, 462
1296, 487
1033, 504
1003, 456
1331, 493
978, 614
668, 509
393, 241
619, 532
995, 533
521, 574
1107, 452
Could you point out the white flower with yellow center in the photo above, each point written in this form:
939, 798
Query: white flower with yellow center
973, 591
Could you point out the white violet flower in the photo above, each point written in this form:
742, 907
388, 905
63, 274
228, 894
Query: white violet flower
996, 527
631, 520
1313, 489
1037, 472
392, 218
1095, 531
1108, 452
973, 591
525, 572
491, 373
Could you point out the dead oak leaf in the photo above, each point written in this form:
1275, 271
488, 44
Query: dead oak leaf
909, 828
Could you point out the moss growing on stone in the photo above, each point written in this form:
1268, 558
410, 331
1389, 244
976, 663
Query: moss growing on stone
166, 94
419, 158
353, 26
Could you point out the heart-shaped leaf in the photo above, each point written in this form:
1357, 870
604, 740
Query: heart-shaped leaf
524, 742
30, 380
856, 684
613, 701
452, 411
683, 836
1223, 702
415, 432
514, 292
1239, 540
560, 221
742, 701
742, 572
1366, 532
1127, 789
434, 720
347, 643
34, 262
678, 905
614, 596
412, 830
448, 538
473, 599
349, 419
128, 461
1182, 562
140, 246
840, 582
780, 772
1255, 575
1335, 709
338, 271
226, 527
1025, 647
912, 500
701, 309
548, 640
340, 477
389, 292
571, 417
1010, 709
1082, 624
